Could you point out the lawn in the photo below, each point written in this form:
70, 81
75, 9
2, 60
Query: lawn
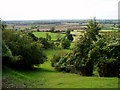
46, 76
43, 35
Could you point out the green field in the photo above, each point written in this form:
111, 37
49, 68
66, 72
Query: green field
46, 76
43, 35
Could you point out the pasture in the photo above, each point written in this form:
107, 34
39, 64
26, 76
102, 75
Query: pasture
43, 35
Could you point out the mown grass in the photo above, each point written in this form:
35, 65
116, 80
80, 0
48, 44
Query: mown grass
46, 76
43, 35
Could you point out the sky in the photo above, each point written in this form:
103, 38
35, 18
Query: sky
58, 9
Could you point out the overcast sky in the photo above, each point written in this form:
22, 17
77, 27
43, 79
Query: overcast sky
58, 9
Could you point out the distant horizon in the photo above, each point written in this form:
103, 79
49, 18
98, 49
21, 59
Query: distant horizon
56, 19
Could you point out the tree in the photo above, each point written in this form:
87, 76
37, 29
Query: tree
3, 25
52, 29
93, 29
58, 37
65, 43
33, 36
69, 36
21, 44
82, 62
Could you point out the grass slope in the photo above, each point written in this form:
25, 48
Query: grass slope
46, 76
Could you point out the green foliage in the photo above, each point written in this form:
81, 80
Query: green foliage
58, 37
3, 25
79, 60
33, 36
48, 37
82, 63
59, 61
6, 54
68, 35
7, 57
22, 45
93, 29
65, 43
105, 53
46, 44
108, 68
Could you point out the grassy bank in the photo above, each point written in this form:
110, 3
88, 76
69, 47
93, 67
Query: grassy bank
46, 76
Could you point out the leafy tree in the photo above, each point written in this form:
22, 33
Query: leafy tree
65, 43
68, 35
93, 29
58, 37
105, 54
6, 54
81, 59
3, 25
22, 45
46, 44
33, 36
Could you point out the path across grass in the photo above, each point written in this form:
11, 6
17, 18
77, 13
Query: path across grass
46, 76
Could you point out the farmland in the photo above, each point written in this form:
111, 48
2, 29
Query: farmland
43, 74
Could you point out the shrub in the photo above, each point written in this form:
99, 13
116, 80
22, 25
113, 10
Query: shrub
22, 45
82, 63
105, 54
7, 57
46, 44
68, 35
59, 61
108, 68
65, 43
33, 36
6, 54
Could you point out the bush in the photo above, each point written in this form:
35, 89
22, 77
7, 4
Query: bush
7, 57
33, 36
65, 43
79, 60
6, 54
105, 54
46, 44
108, 68
82, 63
68, 35
22, 45
59, 61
